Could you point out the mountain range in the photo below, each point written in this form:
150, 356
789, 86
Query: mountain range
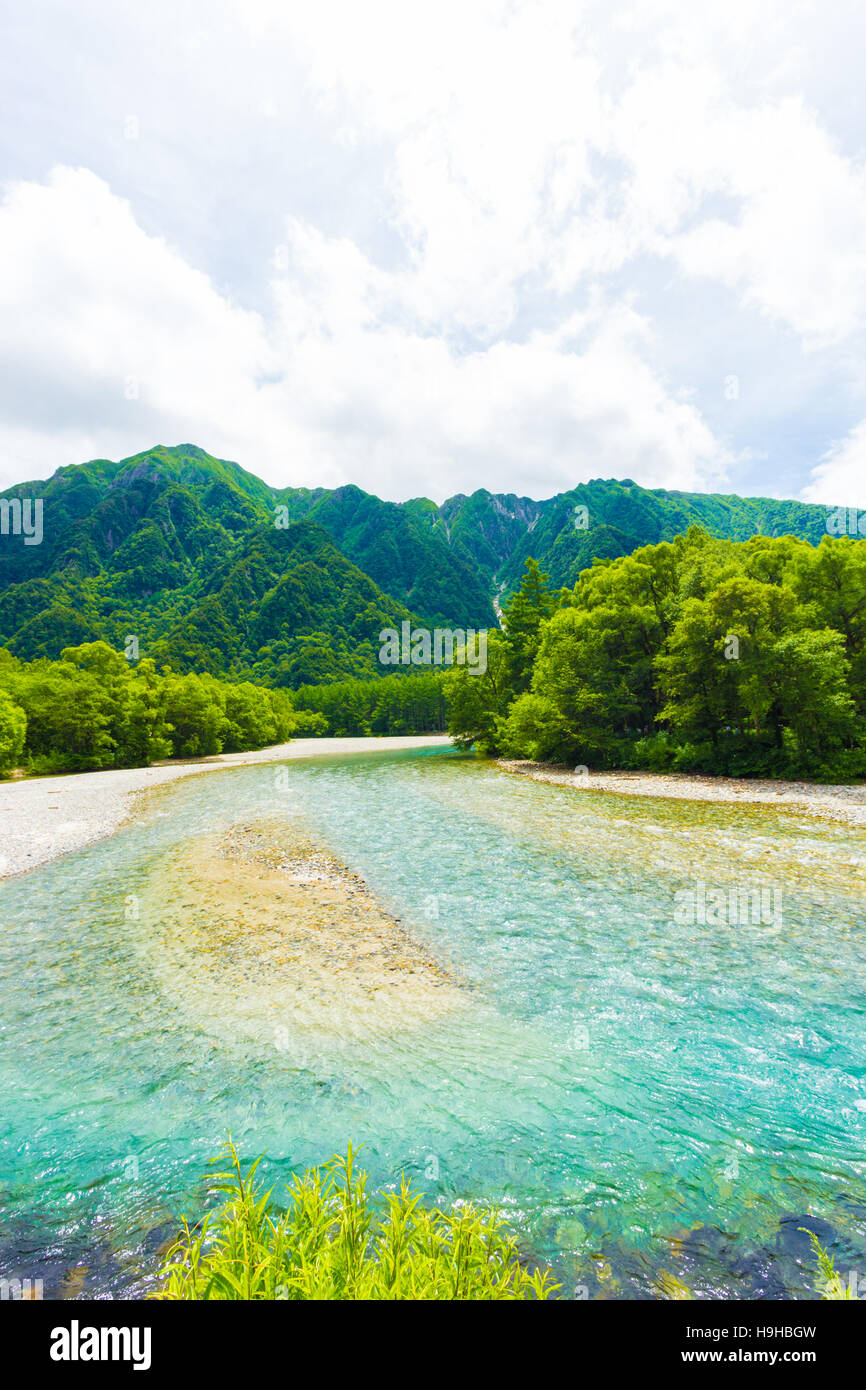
212, 569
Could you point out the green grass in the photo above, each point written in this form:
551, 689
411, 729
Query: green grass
333, 1243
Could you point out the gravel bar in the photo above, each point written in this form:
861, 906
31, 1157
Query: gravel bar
44, 817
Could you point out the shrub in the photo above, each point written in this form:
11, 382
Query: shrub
833, 1288
655, 752
332, 1244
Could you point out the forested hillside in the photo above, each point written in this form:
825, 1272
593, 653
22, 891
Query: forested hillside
617, 646
212, 570
183, 552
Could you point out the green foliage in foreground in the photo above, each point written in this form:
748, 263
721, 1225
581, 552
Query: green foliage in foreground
332, 1244
833, 1286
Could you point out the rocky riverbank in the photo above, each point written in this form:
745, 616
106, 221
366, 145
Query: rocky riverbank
834, 802
44, 817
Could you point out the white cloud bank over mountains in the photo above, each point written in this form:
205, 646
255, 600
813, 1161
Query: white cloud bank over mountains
515, 245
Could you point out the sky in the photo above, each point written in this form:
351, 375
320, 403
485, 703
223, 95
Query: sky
427, 248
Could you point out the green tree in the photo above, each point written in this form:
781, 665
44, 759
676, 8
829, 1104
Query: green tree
708, 655
477, 703
144, 734
522, 617
13, 730
195, 717
811, 673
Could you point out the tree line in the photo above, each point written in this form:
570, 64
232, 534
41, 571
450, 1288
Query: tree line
94, 709
394, 704
742, 658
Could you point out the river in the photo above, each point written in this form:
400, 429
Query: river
656, 1084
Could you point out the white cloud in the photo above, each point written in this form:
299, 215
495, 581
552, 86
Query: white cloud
518, 201
840, 477
562, 141
796, 247
336, 385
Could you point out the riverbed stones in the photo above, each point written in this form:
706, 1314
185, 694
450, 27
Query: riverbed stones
260, 931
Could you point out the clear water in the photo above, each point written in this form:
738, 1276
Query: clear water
652, 1099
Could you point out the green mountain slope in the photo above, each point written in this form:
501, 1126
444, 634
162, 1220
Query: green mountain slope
181, 551
191, 554
287, 608
404, 548
502, 532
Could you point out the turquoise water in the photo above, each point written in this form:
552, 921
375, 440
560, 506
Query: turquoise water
651, 1098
